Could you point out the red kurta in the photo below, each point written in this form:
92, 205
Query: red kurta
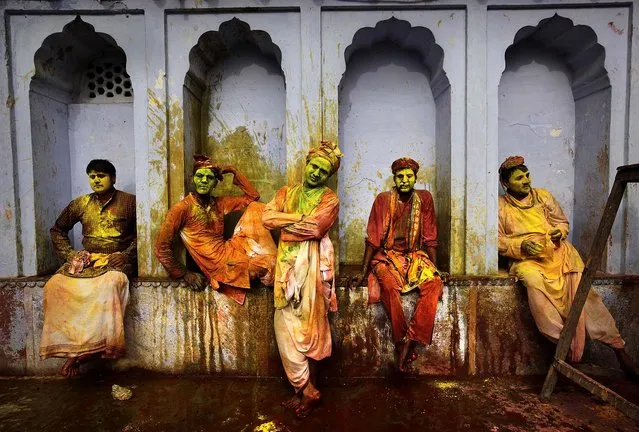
399, 233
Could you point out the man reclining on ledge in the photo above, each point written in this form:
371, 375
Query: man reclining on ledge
532, 233
199, 219
84, 301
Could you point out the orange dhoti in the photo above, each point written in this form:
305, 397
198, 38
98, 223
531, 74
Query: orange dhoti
392, 284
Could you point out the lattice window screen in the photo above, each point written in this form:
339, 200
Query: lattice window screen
106, 81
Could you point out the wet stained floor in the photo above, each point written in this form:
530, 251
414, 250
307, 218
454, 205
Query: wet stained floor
167, 403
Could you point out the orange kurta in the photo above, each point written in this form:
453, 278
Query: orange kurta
202, 228
304, 283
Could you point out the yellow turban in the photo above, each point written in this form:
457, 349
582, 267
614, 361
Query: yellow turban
327, 150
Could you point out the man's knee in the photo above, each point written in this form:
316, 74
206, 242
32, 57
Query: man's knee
531, 279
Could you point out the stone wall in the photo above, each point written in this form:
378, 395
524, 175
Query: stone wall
483, 327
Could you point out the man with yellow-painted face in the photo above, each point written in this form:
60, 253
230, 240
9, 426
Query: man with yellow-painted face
84, 302
304, 280
227, 265
400, 256
532, 234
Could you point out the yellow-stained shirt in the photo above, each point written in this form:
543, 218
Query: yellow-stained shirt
106, 228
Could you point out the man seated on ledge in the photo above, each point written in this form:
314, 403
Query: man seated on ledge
532, 234
400, 256
84, 301
199, 219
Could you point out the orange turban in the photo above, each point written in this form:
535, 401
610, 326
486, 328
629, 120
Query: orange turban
327, 150
403, 163
511, 162
203, 161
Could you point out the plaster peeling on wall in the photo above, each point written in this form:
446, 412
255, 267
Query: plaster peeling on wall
10, 102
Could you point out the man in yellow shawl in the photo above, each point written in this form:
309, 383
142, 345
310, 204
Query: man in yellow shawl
304, 280
532, 233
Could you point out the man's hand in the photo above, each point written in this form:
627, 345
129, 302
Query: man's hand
357, 280
555, 235
444, 277
194, 281
117, 260
531, 247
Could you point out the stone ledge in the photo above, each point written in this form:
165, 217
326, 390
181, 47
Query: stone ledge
483, 327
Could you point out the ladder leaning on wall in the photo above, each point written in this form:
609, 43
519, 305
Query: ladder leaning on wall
625, 174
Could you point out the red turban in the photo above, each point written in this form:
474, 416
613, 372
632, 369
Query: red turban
403, 163
327, 150
203, 161
511, 162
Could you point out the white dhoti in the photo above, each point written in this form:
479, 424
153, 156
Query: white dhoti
84, 315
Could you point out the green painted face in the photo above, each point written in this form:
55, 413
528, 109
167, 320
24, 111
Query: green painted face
317, 172
205, 181
100, 182
405, 180
518, 184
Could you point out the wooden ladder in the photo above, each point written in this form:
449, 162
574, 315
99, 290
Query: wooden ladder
625, 174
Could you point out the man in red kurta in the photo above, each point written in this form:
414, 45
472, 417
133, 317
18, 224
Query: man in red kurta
400, 256
199, 219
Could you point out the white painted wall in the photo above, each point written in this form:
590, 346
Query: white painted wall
386, 111
51, 182
247, 90
157, 37
100, 131
537, 121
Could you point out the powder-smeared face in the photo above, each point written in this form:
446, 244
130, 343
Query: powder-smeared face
518, 184
317, 172
100, 182
205, 181
405, 180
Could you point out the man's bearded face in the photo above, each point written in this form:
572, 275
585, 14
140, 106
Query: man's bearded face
405, 180
100, 182
205, 181
317, 172
518, 184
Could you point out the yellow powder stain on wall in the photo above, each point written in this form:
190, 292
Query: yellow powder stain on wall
240, 149
555, 132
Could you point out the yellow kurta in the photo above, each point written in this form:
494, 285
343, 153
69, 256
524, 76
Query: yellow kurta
551, 277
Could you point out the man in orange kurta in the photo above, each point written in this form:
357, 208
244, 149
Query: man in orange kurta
228, 265
532, 234
400, 256
304, 279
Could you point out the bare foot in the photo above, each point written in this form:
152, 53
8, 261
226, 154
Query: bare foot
70, 368
307, 405
293, 403
403, 352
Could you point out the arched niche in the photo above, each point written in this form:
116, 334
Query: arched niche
81, 107
235, 107
554, 109
394, 101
